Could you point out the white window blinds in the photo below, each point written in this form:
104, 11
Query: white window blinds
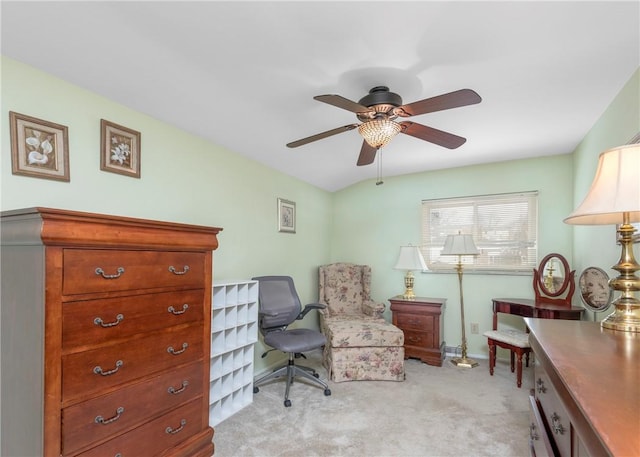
504, 228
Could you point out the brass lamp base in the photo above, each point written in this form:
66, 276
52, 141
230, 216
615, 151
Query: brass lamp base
623, 319
408, 286
626, 317
464, 362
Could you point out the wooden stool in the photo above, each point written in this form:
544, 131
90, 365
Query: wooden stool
518, 344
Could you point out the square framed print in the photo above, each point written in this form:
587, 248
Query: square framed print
119, 149
39, 148
286, 216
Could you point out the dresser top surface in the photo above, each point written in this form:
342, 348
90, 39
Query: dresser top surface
600, 369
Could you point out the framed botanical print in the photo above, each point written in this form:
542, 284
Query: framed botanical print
39, 148
119, 149
286, 216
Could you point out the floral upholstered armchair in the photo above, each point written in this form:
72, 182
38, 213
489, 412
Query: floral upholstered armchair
361, 344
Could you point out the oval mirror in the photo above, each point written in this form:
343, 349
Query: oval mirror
553, 275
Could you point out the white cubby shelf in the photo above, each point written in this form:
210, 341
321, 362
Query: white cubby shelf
234, 331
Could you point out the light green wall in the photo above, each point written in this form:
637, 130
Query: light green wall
371, 223
595, 245
184, 179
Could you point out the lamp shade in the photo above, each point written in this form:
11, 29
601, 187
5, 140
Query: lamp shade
378, 132
459, 245
615, 189
410, 258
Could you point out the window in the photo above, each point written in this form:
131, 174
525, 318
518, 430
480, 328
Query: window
504, 228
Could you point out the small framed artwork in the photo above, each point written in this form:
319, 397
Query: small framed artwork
119, 149
286, 216
39, 148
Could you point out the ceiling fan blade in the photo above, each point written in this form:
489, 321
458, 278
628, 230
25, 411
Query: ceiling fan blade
462, 97
344, 103
445, 139
319, 136
367, 154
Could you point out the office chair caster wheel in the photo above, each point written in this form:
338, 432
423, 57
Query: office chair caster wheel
256, 390
287, 403
327, 392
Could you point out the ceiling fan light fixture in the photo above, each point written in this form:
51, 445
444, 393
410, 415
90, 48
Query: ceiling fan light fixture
379, 132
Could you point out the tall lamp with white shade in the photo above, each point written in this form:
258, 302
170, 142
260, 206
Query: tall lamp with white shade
614, 198
461, 245
410, 259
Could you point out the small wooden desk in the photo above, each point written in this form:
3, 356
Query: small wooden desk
529, 308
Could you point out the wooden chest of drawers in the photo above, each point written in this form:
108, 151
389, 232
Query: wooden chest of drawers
421, 321
105, 335
586, 393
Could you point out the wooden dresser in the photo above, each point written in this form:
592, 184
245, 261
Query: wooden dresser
422, 323
105, 326
587, 391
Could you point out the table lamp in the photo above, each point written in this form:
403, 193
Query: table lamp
461, 245
410, 259
614, 198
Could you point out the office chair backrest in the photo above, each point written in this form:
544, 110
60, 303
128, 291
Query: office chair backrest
277, 294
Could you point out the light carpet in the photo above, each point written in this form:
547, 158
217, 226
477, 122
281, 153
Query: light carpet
436, 411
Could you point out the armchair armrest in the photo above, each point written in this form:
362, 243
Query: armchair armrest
309, 307
371, 308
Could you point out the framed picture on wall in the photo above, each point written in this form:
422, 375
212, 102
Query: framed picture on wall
286, 216
119, 149
39, 148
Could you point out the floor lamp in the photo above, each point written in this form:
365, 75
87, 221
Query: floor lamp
461, 245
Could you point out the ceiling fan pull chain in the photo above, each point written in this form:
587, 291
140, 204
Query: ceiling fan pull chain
379, 181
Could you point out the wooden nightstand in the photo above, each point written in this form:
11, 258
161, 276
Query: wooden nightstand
420, 320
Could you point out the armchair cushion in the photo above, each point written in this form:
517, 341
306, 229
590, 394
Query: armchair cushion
345, 331
346, 290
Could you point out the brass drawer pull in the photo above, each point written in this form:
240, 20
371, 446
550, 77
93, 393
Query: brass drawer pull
414, 339
170, 349
173, 311
101, 323
556, 425
119, 271
173, 270
98, 369
172, 431
540, 386
174, 391
103, 421
533, 434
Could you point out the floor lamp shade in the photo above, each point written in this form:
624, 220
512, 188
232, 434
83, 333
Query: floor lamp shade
614, 198
410, 259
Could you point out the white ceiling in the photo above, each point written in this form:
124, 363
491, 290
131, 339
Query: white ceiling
243, 74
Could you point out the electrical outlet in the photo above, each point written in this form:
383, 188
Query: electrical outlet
474, 328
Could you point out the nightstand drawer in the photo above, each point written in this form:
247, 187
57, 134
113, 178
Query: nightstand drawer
420, 339
89, 372
92, 322
415, 321
114, 413
96, 270
153, 437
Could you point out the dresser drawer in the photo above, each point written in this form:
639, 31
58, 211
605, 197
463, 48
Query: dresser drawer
419, 339
128, 407
89, 372
97, 321
414, 321
96, 270
553, 411
538, 439
156, 436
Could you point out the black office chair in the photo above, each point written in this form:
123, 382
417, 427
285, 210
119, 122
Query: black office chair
279, 306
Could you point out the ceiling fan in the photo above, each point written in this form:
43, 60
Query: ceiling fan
378, 112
